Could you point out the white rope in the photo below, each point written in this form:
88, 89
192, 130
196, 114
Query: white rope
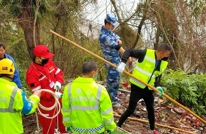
56, 105
37, 123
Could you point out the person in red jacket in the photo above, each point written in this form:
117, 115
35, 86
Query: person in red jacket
44, 74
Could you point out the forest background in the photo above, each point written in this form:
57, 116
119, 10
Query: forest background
181, 23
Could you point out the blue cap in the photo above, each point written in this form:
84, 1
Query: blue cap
112, 19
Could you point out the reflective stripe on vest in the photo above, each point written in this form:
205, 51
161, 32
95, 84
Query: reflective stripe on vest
95, 107
110, 121
107, 112
136, 81
91, 130
149, 59
9, 109
144, 72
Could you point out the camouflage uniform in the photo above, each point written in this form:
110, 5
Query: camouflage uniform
108, 41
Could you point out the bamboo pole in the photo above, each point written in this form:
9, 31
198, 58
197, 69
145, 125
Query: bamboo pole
127, 73
161, 125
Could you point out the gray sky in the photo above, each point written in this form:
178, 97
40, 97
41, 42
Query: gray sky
97, 12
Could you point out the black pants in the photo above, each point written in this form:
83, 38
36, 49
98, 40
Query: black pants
135, 95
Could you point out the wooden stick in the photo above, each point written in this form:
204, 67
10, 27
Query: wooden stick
161, 125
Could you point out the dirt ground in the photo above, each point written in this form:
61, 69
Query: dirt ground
167, 116
29, 122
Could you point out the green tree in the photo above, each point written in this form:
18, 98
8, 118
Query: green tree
27, 14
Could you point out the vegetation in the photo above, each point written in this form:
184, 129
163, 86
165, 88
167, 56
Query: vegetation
186, 88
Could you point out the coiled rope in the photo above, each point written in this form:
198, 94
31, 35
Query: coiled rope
56, 105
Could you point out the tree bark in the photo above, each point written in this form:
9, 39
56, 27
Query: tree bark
31, 31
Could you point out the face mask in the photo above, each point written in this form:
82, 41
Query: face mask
44, 61
95, 77
165, 58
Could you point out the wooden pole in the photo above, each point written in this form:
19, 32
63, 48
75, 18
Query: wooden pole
161, 125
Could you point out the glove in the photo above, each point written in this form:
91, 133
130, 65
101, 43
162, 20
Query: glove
109, 131
121, 67
69, 129
57, 85
58, 94
161, 91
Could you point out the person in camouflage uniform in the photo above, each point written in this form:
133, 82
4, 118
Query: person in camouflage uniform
111, 48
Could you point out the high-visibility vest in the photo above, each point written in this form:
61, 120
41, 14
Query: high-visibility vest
86, 107
145, 71
11, 105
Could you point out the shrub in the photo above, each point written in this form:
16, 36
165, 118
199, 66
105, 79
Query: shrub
188, 89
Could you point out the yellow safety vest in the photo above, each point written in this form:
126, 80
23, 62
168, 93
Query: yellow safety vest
145, 71
11, 105
86, 107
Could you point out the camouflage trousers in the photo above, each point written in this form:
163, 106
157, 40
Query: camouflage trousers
113, 78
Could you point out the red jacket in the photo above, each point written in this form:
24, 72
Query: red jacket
43, 77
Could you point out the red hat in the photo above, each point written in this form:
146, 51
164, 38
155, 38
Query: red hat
42, 51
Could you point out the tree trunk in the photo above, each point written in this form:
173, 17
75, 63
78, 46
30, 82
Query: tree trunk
27, 24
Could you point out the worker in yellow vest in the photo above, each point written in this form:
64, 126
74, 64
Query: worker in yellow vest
149, 67
13, 101
86, 105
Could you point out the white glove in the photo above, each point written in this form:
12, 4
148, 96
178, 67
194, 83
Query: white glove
58, 94
121, 67
57, 85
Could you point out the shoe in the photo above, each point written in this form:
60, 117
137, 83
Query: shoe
116, 104
155, 132
115, 99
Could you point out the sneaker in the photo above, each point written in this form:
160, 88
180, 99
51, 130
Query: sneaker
155, 132
116, 104
115, 99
